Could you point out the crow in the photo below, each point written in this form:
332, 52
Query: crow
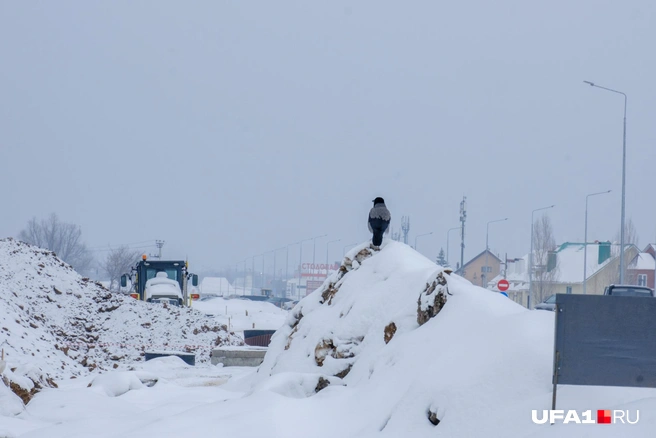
379, 220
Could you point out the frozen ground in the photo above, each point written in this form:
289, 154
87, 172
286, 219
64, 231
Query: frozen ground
336, 367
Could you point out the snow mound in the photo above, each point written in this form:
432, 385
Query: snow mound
118, 383
420, 346
57, 324
373, 297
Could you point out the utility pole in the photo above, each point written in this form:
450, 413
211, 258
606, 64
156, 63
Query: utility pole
405, 228
505, 267
463, 219
447, 244
484, 278
159, 244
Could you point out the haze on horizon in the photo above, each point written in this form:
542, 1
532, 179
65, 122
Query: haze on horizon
232, 129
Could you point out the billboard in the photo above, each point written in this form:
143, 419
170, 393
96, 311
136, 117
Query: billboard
605, 340
313, 285
317, 270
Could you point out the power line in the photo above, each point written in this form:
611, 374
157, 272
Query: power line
129, 247
123, 244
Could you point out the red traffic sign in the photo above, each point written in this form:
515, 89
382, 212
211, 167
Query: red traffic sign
503, 285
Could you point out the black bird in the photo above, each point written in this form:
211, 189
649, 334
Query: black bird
379, 220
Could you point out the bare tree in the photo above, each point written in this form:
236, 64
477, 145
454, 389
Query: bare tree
62, 238
118, 262
630, 238
544, 259
630, 233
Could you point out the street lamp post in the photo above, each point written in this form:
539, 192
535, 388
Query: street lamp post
245, 260
275, 254
300, 265
252, 274
327, 244
447, 243
234, 282
530, 258
287, 264
623, 178
585, 240
416, 237
314, 247
487, 248
263, 276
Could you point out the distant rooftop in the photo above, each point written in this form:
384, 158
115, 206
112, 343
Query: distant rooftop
643, 261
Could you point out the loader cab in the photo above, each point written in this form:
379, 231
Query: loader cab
145, 270
148, 269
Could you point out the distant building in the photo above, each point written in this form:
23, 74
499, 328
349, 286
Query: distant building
516, 274
564, 271
641, 269
294, 289
475, 269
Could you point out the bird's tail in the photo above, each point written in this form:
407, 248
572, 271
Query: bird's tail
377, 239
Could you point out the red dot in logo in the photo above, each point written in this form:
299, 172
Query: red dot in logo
603, 416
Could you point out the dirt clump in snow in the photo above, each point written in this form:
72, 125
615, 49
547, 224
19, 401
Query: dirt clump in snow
345, 371
26, 380
432, 299
328, 294
390, 329
322, 350
432, 417
322, 384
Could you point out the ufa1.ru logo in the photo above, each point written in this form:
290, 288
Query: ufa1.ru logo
604, 416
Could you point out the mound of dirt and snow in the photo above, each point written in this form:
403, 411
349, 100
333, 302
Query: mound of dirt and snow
373, 298
55, 324
416, 345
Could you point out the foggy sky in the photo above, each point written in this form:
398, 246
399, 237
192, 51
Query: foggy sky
229, 129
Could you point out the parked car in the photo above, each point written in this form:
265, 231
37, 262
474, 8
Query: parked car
548, 304
254, 297
625, 290
209, 297
281, 302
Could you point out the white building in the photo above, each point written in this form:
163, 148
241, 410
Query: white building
216, 286
564, 271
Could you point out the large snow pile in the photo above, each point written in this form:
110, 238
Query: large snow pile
410, 347
55, 321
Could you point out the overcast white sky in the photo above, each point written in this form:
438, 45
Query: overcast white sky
232, 128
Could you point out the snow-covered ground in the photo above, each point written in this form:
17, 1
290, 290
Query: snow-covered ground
368, 354
241, 314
